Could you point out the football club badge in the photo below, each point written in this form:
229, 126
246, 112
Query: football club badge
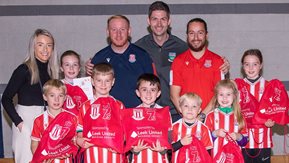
69, 102
132, 58
172, 56
55, 133
208, 63
94, 114
137, 114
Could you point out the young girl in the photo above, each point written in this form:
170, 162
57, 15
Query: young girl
226, 118
70, 66
260, 137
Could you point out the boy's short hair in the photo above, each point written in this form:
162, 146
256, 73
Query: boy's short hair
190, 96
102, 69
153, 79
54, 83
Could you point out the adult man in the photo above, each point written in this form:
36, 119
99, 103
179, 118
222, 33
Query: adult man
197, 69
163, 47
127, 60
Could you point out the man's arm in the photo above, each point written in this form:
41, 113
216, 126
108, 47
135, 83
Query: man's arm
175, 95
88, 67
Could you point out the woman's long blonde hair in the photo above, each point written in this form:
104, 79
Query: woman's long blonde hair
30, 60
227, 83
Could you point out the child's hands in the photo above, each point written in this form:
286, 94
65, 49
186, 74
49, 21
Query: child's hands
220, 132
235, 136
140, 146
83, 142
186, 140
269, 123
157, 147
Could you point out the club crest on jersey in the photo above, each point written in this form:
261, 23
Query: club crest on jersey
94, 112
69, 102
132, 58
54, 134
172, 56
137, 114
107, 59
208, 63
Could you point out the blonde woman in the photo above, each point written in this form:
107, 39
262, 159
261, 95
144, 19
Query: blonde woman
40, 65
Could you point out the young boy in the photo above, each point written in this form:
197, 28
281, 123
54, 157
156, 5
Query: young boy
148, 90
55, 121
102, 80
189, 125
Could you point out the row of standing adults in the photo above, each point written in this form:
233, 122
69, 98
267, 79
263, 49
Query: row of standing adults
158, 51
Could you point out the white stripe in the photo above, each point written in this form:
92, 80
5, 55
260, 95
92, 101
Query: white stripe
268, 137
45, 120
252, 89
260, 135
87, 155
262, 86
104, 154
171, 77
216, 143
149, 155
227, 126
251, 138
114, 157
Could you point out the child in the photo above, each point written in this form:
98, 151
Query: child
148, 90
260, 138
102, 80
226, 118
54, 92
183, 129
70, 66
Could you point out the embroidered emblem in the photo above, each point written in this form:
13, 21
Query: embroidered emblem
55, 133
131, 58
208, 63
69, 102
94, 113
137, 114
172, 56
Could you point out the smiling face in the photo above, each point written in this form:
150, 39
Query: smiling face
118, 31
159, 22
148, 93
70, 67
196, 36
252, 66
190, 108
55, 98
43, 48
225, 97
102, 84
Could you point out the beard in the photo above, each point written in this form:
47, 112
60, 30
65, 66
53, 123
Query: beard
199, 48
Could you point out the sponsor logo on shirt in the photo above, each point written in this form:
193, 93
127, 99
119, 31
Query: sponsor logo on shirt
107, 59
208, 63
172, 56
132, 58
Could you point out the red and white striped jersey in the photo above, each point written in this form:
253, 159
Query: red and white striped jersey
97, 154
219, 120
147, 155
258, 137
198, 129
40, 124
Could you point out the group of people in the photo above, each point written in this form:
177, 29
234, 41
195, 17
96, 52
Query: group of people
158, 70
